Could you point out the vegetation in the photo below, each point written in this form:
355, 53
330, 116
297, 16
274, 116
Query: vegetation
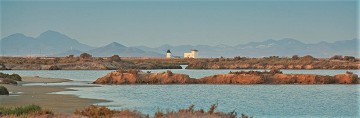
85, 56
3, 91
295, 62
274, 76
86, 61
9, 79
131, 71
103, 112
31, 110
54, 67
272, 71
345, 58
2, 67
14, 76
133, 76
115, 58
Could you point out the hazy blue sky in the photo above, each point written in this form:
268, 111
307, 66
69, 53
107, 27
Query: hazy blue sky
154, 23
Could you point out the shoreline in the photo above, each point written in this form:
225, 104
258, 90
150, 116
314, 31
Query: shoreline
200, 69
44, 97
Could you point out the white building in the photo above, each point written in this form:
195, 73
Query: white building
168, 54
192, 54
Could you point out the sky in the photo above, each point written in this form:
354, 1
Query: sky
201, 22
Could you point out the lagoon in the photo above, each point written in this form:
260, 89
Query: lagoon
253, 100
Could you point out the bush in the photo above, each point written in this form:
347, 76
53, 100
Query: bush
169, 73
336, 57
295, 57
15, 77
85, 56
70, 56
349, 58
190, 112
115, 58
95, 111
54, 67
237, 58
24, 110
131, 71
3, 91
7, 81
103, 112
308, 58
2, 67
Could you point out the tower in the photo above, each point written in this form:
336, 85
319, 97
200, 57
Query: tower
168, 54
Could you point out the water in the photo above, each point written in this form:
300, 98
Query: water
253, 100
92, 75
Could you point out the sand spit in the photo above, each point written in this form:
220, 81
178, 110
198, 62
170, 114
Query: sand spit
41, 95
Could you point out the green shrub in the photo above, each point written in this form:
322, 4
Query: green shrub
14, 76
3, 91
24, 110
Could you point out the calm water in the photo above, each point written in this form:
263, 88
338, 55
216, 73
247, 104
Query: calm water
253, 100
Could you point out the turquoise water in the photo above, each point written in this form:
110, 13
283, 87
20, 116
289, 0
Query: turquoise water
253, 100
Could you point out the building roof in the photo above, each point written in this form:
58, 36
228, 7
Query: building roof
168, 51
194, 50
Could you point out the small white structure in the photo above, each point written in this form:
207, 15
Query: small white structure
192, 54
168, 54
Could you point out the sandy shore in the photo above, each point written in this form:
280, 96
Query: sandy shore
39, 95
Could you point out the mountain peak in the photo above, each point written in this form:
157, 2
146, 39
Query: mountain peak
115, 44
165, 46
51, 31
50, 34
17, 35
270, 41
290, 41
222, 46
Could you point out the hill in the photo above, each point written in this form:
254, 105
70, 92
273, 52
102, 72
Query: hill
115, 48
47, 43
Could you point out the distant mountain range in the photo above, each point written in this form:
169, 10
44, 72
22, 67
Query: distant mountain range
284, 47
118, 49
51, 43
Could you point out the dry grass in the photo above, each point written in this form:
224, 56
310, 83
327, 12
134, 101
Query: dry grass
103, 112
93, 111
190, 112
